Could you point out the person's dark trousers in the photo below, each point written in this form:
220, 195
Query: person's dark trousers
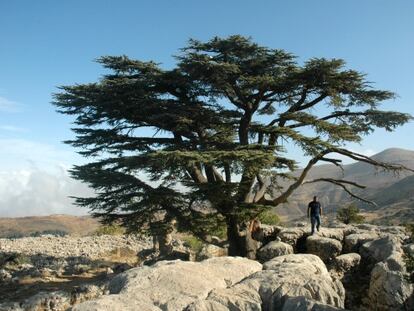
315, 222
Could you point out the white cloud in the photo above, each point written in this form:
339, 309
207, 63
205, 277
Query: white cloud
12, 128
34, 179
24, 154
39, 192
7, 105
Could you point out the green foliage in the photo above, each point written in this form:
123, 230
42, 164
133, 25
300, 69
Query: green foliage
194, 243
188, 142
350, 214
269, 218
112, 229
13, 259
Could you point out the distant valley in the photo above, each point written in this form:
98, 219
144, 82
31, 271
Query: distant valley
64, 224
394, 194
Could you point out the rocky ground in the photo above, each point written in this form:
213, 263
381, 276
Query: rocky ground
358, 267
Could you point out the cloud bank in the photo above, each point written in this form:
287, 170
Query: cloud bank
39, 192
34, 179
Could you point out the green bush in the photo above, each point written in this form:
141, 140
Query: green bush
112, 229
269, 218
194, 243
350, 214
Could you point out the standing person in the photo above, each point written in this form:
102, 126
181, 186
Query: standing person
315, 213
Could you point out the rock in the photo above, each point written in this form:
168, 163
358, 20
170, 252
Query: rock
291, 235
332, 233
48, 301
92, 247
304, 275
86, 292
353, 241
302, 303
10, 306
388, 289
5, 275
274, 249
171, 285
325, 248
409, 249
380, 249
300, 224
216, 240
210, 251
368, 227
347, 262
285, 276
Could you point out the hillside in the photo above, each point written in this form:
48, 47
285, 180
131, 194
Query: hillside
24, 226
393, 193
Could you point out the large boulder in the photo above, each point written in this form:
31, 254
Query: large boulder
380, 249
332, 233
274, 249
353, 241
283, 277
292, 235
171, 285
302, 303
347, 262
389, 288
325, 248
210, 251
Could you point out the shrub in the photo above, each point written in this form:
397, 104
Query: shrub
350, 214
113, 229
269, 218
194, 243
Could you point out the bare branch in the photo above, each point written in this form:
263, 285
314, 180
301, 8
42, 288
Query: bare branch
340, 183
336, 162
283, 197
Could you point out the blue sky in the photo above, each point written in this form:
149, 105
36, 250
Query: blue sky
44, 44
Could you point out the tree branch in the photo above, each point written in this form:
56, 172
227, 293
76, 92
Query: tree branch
340, 183
283, 197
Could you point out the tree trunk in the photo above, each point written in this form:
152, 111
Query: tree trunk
235, 239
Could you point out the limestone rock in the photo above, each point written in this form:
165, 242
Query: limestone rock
353, 241
380, 249
347, 262
171, 285
325, 248
302, 303
48, 301
210, 251
5, 275
388, 289
332, 233
274, 249
294, 275
292, 235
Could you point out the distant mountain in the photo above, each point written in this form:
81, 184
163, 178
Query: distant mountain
25, 226
393, 193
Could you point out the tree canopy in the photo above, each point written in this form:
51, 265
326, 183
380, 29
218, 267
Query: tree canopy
205, 142
350, 214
